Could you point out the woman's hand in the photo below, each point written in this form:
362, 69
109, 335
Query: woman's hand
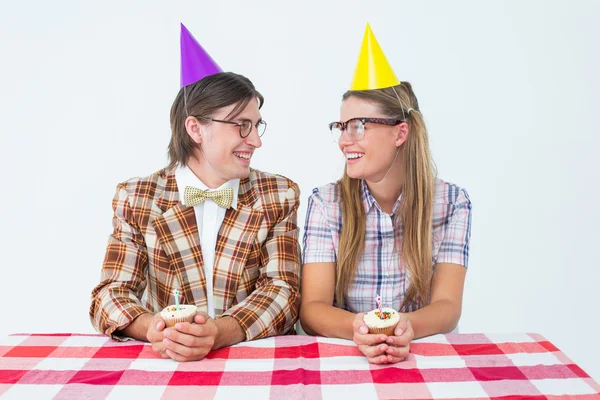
399, 344
380, 348
373, 346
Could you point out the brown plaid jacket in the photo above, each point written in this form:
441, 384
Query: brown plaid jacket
155, 247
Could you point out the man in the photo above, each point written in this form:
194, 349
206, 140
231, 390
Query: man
221, 233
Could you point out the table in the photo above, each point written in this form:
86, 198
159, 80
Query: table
471, 366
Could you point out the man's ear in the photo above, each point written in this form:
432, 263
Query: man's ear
401, 134
194, 129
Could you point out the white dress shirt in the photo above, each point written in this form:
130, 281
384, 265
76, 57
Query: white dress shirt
209, 217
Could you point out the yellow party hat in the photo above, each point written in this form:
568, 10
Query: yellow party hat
372, 69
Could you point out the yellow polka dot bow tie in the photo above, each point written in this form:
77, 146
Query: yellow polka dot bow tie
194, 196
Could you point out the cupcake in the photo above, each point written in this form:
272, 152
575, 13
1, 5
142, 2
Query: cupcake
182, 313
385, 323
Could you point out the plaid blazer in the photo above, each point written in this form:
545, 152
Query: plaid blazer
155, 247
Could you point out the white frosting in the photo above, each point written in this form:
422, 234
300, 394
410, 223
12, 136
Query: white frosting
373, 321
183, 312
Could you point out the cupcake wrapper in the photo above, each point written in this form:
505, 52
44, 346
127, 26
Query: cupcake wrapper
172, 321
389, 330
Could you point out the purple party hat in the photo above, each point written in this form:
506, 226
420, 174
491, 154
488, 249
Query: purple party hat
195, 61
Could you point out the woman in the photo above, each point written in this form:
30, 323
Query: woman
389, 227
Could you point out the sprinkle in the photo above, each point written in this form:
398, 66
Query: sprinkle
384, 315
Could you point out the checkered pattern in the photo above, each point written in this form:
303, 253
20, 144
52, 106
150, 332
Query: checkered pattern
380, 269
466, 366
155, 247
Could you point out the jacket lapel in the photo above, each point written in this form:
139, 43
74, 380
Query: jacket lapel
177, 233
235, 245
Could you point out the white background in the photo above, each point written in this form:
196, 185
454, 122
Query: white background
510, 92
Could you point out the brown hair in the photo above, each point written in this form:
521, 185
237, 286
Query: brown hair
203, 98
416, 208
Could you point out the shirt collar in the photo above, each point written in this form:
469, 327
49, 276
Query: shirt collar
369, 201
185, 177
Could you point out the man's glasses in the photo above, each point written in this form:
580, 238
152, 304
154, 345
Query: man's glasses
356, 126
245, 125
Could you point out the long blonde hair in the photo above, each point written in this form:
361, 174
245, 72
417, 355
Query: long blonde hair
416, 208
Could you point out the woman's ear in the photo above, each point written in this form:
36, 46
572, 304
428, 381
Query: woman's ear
401, 134
194, 129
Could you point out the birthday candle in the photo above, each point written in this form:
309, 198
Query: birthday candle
176, 294
378, 299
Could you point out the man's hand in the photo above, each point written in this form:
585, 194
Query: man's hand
372, 346
190, 341
155, 335
399, 344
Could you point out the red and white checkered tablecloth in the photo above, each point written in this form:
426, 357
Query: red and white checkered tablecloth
465, 366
